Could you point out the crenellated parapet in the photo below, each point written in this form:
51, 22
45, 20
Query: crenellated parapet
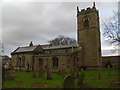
87, 10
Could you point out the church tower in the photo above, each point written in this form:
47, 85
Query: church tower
88, 31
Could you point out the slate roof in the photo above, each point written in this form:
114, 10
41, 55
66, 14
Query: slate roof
59, 47
25, 49
45, 47
57, 54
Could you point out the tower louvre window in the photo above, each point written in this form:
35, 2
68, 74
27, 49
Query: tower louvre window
86, 22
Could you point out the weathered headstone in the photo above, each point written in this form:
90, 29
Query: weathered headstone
63, 73
41, 72
68, 82
73, 74
81, 79
35, 75
48, 72
9, 75
99, 76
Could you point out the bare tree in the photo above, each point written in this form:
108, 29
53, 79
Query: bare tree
62, 40
1, 48
112, 33
112, 29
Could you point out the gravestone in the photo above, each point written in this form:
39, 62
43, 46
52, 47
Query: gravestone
63, 73
9, 75
48, 72
35, 75
99, 76
41, 73
73, 74
81, 79
68, 82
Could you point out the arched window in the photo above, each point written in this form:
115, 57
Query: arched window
20, 62
40, 62
33, 58
23, 61
99, 50
55, 61
17, 61
86, 22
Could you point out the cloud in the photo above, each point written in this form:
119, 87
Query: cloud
39, 22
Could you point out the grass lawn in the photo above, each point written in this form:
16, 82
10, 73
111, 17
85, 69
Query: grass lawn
25, 80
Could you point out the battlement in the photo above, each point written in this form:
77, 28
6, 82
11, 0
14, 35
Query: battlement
87, 10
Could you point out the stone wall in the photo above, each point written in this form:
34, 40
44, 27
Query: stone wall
115, 60
23, 65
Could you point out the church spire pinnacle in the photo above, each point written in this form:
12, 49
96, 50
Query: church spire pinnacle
77, 10
94, 4
31, 44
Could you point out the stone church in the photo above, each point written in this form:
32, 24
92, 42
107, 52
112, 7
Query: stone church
87, 53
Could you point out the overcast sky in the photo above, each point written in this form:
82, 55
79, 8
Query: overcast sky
39, 22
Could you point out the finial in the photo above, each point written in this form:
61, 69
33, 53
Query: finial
77, 9
31, 44
93, 4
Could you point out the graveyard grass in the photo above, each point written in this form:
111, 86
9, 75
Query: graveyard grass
26, 80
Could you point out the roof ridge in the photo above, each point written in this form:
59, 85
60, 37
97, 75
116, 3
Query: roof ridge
29, 46
26, 49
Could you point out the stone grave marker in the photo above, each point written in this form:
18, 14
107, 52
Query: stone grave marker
41, 72
81, 79
35, 75
68, 82
48, 72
